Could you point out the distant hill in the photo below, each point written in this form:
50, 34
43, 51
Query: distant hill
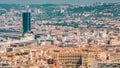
106, 8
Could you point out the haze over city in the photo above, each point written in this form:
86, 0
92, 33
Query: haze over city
74, 2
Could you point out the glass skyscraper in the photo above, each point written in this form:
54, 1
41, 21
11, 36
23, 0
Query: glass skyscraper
26, 22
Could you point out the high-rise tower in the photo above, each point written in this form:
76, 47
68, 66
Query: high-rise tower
26, 22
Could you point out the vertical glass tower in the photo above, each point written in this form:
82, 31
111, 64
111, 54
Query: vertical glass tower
26, 22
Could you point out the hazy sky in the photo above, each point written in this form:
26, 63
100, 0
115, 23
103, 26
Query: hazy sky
75, 2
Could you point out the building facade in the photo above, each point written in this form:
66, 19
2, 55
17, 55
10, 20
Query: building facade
74, 60
26, 22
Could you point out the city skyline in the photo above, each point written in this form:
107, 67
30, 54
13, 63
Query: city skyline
74, 2
59, 34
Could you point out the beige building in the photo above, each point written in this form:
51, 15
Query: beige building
70, 59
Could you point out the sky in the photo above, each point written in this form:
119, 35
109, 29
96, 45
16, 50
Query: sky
74, 2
